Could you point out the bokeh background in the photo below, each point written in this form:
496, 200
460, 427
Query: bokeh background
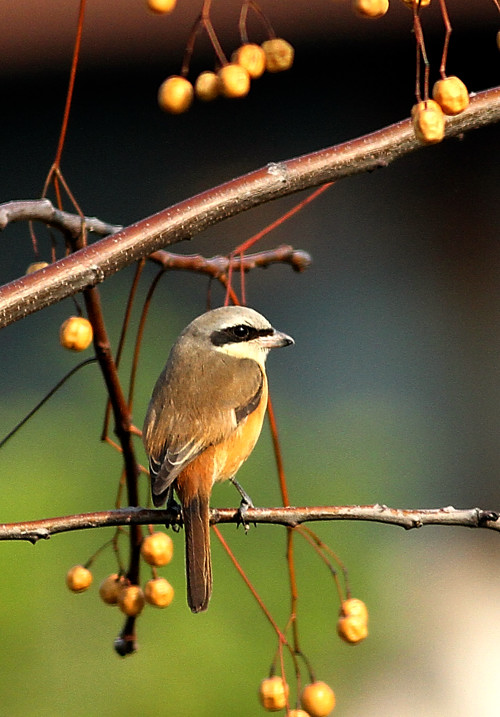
390, 394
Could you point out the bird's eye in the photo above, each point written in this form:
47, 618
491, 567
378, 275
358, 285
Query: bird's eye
241, 331
233, 334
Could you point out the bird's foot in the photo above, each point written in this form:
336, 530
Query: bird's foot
176, 512
242, 511
246, 503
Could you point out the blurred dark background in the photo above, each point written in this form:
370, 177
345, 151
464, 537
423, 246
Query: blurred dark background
390, 394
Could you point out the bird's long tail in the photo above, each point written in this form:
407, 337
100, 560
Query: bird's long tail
198, 561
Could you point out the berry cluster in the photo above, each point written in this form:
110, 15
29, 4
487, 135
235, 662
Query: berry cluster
450, 95
156, 550
428, 116
232, 79
317, 698
352, 625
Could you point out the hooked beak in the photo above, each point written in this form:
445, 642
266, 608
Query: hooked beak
275, 340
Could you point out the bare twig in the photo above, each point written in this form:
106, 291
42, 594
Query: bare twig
97, 262
42, 210
44, 400
35, 530
219, 265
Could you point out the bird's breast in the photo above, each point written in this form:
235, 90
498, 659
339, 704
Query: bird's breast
222, 461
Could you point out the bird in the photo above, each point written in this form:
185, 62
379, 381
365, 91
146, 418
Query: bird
203, 421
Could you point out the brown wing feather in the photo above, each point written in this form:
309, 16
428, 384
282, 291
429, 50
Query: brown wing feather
195, 404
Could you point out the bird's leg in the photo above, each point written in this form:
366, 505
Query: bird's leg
174, 507
246, 503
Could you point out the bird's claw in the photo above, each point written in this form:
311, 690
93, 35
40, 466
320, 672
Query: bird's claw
175, 509
245, 504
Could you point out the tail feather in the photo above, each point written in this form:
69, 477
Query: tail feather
198, 561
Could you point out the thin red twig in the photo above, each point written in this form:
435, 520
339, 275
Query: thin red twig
254, 592
71, 86
121, 341
448, 31
242, 248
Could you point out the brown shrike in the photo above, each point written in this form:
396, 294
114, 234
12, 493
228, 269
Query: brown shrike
203, 421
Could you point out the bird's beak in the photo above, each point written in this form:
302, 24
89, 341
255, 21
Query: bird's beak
275, 340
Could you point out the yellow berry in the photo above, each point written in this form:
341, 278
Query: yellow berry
78, 579
35, 266
76, 333
252, 57
371, 8
412, 3
273, 693
161, 7
157, 548
131, 600
110, 588
451, 94
206, 87
175, 95
354, 607
352, 629
428, 122
352, 625
298, 713
158, 592
279, 54
318, 699
234, 80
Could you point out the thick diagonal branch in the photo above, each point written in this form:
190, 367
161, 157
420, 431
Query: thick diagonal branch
95, 263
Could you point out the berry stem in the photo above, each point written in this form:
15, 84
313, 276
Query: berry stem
448, 31
421, 54
242, 25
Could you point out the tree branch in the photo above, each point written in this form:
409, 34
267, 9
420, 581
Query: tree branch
35, 530
100, 260
219, 265
42, 210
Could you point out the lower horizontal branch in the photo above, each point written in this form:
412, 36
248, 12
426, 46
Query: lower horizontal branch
35, 530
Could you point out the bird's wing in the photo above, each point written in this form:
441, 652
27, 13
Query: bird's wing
181, 424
